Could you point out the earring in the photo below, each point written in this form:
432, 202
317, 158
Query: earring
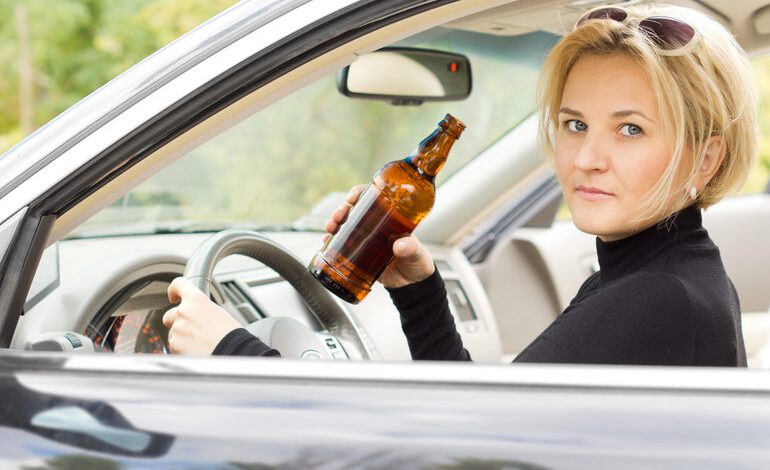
693, 193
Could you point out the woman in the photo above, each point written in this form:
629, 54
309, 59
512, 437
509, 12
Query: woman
649, 116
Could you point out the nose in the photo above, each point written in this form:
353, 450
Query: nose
592, 154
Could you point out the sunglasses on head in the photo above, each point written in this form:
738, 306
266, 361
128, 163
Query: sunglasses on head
670, 35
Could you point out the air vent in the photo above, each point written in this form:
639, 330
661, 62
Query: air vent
458, 301
235, 295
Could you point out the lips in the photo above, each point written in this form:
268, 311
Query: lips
591, 193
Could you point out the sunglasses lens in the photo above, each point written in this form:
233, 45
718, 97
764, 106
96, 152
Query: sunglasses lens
667, 33
608, 13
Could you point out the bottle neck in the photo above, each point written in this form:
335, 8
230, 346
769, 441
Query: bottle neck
432, 153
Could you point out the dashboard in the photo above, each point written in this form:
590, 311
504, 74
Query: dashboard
112, 290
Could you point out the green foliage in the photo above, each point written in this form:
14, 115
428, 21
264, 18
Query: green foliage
484, 464
76, 462
78, 45
760, 177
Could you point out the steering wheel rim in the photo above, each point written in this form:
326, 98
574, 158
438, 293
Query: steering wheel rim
200, 267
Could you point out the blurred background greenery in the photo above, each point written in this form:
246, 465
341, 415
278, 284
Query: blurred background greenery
56, 52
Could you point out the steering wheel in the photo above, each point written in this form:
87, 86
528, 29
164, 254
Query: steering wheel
292, 338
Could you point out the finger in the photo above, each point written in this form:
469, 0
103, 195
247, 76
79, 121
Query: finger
415, 260
340, 214
171, 341
331, 227
406, 247
169, 317
181, 287
355, 193
326, 237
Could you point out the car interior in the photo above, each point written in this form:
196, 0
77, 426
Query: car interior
278, 161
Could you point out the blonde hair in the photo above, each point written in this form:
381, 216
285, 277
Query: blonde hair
703, 93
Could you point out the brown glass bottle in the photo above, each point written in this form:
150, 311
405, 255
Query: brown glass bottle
400, 195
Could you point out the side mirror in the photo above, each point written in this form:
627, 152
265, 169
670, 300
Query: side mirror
407, 76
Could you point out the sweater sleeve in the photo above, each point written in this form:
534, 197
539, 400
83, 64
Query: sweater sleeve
240, 342
427, 321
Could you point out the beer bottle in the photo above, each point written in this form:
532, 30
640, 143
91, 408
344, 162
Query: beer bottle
400, 195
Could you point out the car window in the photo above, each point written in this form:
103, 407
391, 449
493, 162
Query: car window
759, 179
272, 168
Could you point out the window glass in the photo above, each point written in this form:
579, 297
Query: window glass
273, 167
759, 179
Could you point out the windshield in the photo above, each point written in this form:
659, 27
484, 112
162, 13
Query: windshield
285, 166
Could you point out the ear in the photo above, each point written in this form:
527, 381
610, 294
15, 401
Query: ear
715, 154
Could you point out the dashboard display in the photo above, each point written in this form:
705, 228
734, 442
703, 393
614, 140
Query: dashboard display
131, 332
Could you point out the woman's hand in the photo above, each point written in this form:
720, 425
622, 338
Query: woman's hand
197, 324
412, 263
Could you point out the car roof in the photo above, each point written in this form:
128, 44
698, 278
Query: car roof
749, 20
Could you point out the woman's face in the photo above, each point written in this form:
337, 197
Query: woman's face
610, 147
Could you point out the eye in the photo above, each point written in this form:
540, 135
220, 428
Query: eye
576, 126
631, 130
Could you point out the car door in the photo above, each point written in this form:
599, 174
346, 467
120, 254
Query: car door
175, 412
156, 101
140, 412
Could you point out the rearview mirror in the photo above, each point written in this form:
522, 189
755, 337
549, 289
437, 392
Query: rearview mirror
407, 76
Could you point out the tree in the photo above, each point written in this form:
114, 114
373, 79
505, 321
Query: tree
76, 46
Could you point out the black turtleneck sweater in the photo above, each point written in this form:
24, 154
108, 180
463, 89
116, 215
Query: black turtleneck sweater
661, 297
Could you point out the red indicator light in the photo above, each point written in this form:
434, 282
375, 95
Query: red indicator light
453, 67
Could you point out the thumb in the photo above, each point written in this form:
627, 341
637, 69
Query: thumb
407, 248
414, 260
